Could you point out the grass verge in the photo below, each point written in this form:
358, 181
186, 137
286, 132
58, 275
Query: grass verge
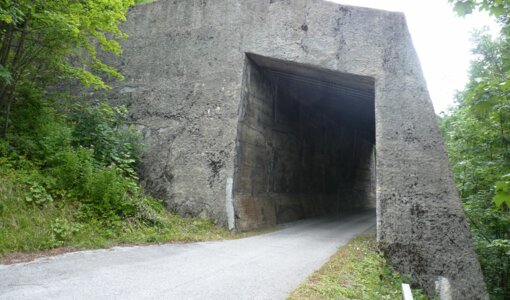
357, 271
28, 231
144, 1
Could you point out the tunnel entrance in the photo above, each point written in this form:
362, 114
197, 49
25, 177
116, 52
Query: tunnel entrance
305, 143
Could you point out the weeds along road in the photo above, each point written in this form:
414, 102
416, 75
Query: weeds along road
267, 266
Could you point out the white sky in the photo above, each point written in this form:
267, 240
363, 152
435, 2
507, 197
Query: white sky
442, 40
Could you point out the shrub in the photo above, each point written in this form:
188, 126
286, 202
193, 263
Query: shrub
62, 230
103, 128
38, 131
86, 155
72, 169
109, 194
37, 194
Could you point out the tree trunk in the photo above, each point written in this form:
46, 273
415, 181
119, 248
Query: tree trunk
9, 95
8, 90
4, 57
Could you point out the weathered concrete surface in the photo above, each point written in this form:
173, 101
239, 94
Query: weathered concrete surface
185, 63
269, 266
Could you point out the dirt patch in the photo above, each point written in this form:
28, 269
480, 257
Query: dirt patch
15, 258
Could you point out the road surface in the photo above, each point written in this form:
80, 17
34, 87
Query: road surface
267, 266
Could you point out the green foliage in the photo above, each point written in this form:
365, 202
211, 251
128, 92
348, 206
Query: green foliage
62, 231
5, 75
25, 227
107, 194
88, 157
357, 271
144, 1
59, 29
103, 129
45, 42
37, 194
477, 137
497, 8
502, 195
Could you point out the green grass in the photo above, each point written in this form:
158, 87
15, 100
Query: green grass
144, 1
26, 227
356, 271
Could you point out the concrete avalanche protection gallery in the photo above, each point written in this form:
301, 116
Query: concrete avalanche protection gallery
257, 113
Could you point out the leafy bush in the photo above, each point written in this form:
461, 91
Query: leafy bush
83, 155
502, 193
103, 129
38, 195
39, 132
109, 195
62, 231
72, 169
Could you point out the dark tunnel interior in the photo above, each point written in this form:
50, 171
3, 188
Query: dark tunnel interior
306, 143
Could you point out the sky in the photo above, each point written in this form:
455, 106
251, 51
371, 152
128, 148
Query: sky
442, 41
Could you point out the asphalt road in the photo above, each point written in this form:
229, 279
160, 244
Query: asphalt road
267, 266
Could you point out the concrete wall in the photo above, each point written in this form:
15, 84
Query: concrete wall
184, 64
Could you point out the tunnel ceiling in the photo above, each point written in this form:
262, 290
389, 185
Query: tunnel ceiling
347, 99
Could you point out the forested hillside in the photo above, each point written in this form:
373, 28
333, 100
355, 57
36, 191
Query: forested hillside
477, 136
68, 166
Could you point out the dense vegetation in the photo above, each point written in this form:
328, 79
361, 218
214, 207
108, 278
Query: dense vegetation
357, 271
477, 136
68, 166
